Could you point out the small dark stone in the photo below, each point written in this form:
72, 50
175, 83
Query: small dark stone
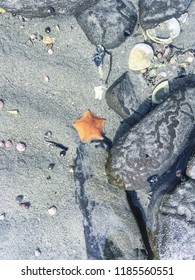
48, 134
63, 153
127, 32
51, 10
48, 178
51, 166
48, 29
13, 14
153, 179
19, 198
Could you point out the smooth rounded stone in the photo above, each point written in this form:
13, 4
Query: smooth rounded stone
154, 143
174, 237
19, 198
43, 8
106, 22
128, 99
161, 10
190, 170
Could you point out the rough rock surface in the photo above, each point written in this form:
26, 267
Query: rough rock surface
174, 237
160, 11
39, 8
145, 152
106, 22
190, 170
120, 237
126, 98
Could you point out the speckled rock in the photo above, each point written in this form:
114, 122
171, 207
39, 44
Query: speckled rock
39, 8
160, 11
174, 237
106, 22
126, 98
154, 143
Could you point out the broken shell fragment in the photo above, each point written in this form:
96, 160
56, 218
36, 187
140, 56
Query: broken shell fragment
140, 57
2, 11
13, 112
48, 40
164, 32
161, 92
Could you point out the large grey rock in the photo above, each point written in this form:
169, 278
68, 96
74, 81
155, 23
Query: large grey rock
144, 153
174, 237
153, 12
106, 22
110, 229
126, 98
39, 8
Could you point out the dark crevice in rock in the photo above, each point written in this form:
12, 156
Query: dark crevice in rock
139, 214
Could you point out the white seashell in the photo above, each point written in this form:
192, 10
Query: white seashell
140, 57
52, 211
37, 252
99, 91
2, 217
161, 92
164, 32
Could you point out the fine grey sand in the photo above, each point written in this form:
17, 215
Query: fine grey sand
48, 106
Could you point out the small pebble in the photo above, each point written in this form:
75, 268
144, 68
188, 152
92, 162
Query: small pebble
71, 169
48, 135
2, 144
8, 144
50, 51
2, 217
159, 56
46, 79
51, 166
127, 32
24, 205
19, 198
48, 30
37, 252
52, 211
63, 153
51, 10
1, 104
21, 147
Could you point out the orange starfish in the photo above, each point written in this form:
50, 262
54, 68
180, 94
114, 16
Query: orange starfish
89, 127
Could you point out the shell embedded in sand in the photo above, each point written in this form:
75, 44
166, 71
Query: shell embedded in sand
1, 104
52, 210
21, 147
140, 57
161, 92
164, 32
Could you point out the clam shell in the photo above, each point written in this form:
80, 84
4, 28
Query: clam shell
164, 32
140, 57
160, 92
